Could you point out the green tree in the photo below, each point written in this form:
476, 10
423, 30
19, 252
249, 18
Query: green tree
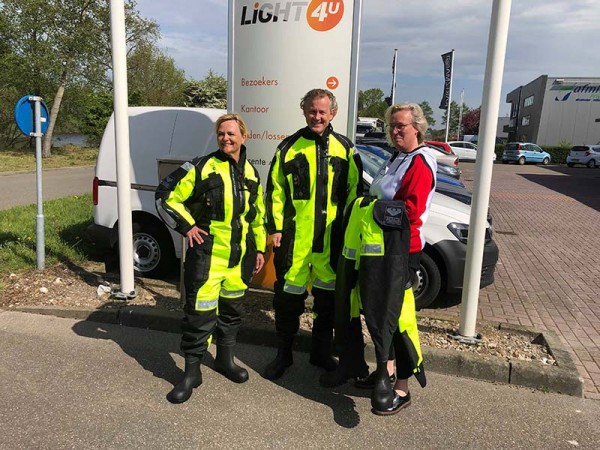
211, 92
371, 103
454, 115
154, 77
428, 112
63, 43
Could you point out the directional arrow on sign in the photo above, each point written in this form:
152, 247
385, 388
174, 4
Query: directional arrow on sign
332, 82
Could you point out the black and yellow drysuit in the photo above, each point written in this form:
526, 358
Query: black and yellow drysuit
223, 198
311, 180
373, 278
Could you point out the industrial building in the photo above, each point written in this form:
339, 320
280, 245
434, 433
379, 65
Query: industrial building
555, 111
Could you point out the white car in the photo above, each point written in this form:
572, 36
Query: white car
588, 155
466, 151
443, 260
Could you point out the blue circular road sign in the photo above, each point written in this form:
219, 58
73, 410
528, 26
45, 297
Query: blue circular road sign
25, 115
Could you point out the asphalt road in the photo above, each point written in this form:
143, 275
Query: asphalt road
71, 384
21, 189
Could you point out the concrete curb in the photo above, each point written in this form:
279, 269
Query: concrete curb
563, 378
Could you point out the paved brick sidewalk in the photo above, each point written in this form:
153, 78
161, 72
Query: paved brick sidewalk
546, 223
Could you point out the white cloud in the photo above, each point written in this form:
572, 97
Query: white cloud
558, 38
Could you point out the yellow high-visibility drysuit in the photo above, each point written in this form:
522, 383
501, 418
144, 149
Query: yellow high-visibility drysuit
311, 180
223, 198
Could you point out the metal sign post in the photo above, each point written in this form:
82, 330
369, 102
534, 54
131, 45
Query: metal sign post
31, 116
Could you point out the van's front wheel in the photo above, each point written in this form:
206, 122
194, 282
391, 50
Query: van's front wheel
429, 282
153, 254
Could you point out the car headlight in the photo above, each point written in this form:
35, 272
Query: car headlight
461, 231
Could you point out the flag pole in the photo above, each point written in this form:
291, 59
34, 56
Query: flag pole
460, 114
449, 96
393, 96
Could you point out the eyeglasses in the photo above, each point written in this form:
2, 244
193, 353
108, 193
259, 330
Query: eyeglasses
399, 126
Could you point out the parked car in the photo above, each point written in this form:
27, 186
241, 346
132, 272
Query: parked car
466, 151
587, 155
451, 171
375, 135
362, 129
374, 157
443, 145
443, 153
525, 152
446, 233
448, 165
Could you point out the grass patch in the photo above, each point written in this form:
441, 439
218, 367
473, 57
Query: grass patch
67, 156
64, 234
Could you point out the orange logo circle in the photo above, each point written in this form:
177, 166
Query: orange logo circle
323, 15
332, 82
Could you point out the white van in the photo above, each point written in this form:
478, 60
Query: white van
160, 137
163, 138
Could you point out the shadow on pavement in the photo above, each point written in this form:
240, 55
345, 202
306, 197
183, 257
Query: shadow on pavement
303, 379
581, 184
159, 362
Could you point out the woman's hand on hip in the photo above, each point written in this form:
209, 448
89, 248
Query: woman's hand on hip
195, 235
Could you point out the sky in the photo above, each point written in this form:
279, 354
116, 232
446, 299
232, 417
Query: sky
546, 37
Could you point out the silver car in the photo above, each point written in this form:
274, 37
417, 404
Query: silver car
587, 155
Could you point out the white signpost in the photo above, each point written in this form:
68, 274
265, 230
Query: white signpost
280, 50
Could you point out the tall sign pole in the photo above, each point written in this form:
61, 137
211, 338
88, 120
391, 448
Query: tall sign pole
278, 51
31, 116
39, 218
492, 86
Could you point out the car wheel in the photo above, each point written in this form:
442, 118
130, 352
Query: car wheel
546, 161
570, 164
428, 284
521, 160
153, 253
591, 163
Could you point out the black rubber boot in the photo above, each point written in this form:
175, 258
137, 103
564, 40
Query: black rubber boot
284, 359
192, 379
352, 359
382, 397
322, 339
224, 364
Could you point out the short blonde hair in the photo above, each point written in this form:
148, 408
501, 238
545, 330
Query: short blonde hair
232, 116
418, 119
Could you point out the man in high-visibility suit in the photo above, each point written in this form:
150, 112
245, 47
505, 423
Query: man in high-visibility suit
314, 175
216, 202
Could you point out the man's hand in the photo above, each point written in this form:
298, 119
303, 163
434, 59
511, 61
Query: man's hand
260, 262
276, 239
195, 234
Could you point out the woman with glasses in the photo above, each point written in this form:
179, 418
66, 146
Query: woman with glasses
382, 248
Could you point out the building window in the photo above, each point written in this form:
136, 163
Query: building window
525, 120
514, 109
528, 101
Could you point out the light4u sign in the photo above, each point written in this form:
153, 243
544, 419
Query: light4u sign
280, 50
